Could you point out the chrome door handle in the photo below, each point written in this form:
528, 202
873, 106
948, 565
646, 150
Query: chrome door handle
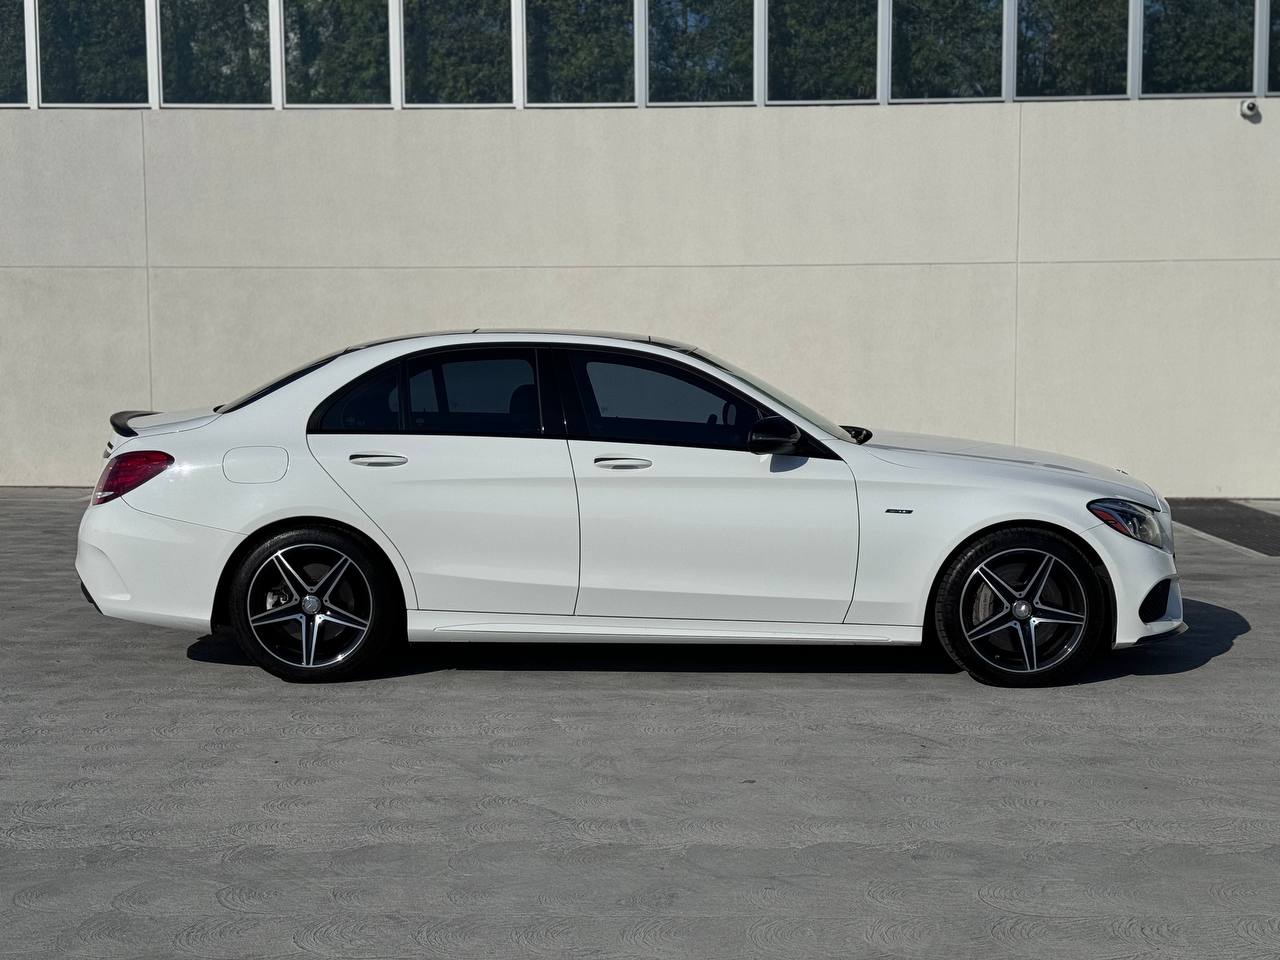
622, 463
378, 459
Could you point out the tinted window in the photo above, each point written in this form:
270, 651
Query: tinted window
457, 51
580, 51
947, 49
822, 51
638, 400
1197, 46
700, 51
336, 51
1273, 60
1071, 49
93, 51
13, 54
276, 384
215, 52
476, 393
369, 405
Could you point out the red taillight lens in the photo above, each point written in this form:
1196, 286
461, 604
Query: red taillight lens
127, 472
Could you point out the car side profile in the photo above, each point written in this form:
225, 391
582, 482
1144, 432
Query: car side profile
577, 486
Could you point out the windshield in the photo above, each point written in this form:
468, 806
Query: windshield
276, 384
773, 393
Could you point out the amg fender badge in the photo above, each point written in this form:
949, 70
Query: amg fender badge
897, 510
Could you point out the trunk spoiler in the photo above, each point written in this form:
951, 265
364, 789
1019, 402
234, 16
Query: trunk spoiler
120, 421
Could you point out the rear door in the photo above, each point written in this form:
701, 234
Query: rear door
446, 451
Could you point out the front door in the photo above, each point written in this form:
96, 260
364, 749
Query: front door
679, 520
445, 452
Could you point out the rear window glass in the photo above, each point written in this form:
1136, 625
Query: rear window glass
274, 385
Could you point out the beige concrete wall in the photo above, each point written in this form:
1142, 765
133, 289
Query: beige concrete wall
1018, 272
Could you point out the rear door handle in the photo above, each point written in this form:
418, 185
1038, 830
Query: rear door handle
622, 463
378, 459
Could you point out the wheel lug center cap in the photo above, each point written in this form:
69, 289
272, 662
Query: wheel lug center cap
310, 604
1022, 610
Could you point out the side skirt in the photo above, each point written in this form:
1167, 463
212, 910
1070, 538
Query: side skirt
441, 625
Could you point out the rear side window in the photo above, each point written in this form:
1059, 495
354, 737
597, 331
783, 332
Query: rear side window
371, 404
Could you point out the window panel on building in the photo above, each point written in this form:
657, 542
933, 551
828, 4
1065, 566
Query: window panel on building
215, 51
13, 53
947, 49
1197, 46
336, 52
1073, 48
93, 51
700, 51
580, 51
1273, 58
457, 51
819, 50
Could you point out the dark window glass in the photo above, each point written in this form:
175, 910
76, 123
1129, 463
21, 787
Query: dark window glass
820, 50
457, 51
638, 400
213, 51
276, 384
93, 51
1273, 58
474, 393
369, 405
580, 51
700, 51
945, 49
13, 54
1197, 46
1072, 48
336, 51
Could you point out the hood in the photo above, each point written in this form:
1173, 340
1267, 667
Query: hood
922, 450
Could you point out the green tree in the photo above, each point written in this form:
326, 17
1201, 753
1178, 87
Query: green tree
457, 51
93, 51
700, 50
580, 51
215, 51
947, 48
1197, 46
336, 51
822, 49
1072, 48
13, 54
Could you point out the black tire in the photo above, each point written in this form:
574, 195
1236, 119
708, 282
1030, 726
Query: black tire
1017, 585
318, 582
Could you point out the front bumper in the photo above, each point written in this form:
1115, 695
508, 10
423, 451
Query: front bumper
1135, 570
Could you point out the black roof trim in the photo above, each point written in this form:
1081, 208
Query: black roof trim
528, 331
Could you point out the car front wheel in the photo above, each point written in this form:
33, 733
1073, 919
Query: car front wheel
1021, 607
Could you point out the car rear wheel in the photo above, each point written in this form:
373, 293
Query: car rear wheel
312, 604
1021, 607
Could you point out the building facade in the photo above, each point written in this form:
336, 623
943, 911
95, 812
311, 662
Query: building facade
1042, 222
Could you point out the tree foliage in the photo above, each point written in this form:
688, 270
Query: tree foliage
1197, 46
700, 51
13, 54
580, 51
822, 50
93, 51
947, 48
1072, 48
336, 51
457, 51
215, 51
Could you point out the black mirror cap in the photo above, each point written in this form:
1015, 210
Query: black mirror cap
774, 435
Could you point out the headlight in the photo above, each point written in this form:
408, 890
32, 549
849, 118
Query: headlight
1131, 519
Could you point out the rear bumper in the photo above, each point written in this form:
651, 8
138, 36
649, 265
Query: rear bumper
140, 567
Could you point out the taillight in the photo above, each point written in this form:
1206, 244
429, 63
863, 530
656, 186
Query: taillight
127, 472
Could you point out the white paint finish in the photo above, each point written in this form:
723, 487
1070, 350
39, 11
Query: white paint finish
1166, 369
714, 534
483, 523
71, 191
255, 464
48, 317
580, 187
1167, 179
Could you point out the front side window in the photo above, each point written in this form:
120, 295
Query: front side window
93, 51
474, 393
634, 399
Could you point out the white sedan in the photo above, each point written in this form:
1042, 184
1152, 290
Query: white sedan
573, 486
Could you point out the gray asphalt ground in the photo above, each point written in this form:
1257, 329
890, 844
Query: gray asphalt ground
161, 798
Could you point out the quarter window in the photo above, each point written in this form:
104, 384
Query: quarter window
633, 399
369, 405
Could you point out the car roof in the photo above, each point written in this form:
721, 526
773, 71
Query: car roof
533, 331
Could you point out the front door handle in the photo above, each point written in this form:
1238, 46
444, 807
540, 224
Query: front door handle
622, 463
378, 459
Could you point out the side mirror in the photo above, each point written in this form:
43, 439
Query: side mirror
774, 435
